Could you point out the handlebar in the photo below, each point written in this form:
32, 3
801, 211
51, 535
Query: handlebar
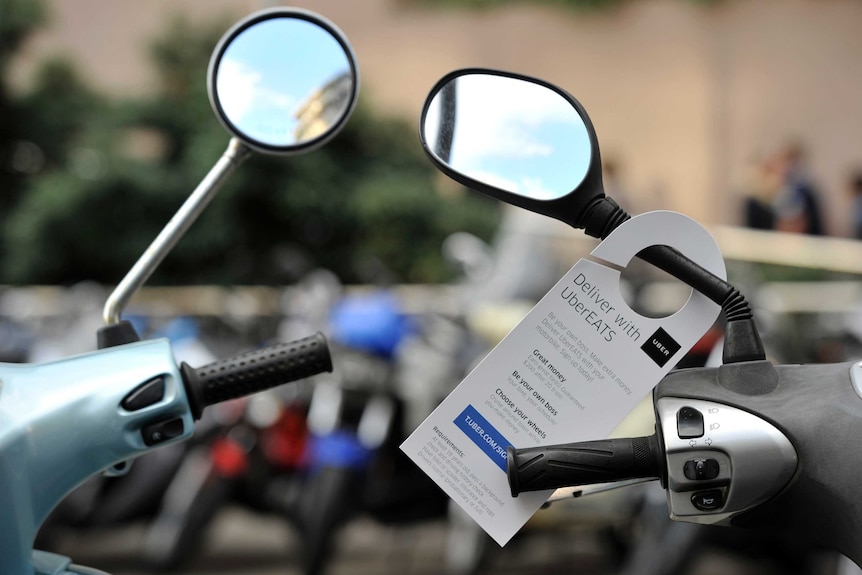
255, 371
583, 463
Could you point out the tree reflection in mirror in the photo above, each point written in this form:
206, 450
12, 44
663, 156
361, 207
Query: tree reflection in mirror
283, 82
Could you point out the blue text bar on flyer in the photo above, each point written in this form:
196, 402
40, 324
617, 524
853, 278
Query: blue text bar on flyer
483, 435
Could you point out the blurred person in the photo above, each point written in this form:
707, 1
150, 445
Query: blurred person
855, 188
760, 190
798, 203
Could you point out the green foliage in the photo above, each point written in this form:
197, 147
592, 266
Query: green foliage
61, 110
489, 4
364, 205
576, 5
18, 18
780, 273
68, 229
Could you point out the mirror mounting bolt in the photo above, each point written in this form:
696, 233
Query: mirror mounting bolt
602, 217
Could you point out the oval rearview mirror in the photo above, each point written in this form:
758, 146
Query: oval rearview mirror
514, 138
283, 81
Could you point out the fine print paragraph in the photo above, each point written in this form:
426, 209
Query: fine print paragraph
446, 459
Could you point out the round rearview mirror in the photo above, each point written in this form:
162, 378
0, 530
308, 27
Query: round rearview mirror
283, 81
515, 138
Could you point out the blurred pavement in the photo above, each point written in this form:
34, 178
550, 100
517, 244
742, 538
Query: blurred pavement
243, 543
247, 544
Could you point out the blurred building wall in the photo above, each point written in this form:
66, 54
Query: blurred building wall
683, 96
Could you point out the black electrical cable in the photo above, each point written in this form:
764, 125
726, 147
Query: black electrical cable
742, 341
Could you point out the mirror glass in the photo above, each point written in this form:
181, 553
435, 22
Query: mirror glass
283, 82
508, 133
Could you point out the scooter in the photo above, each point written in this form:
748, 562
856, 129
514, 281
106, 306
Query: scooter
104, 501
255, 452
748, 444
282, 81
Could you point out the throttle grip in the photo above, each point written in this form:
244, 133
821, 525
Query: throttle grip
255, 371
583, 463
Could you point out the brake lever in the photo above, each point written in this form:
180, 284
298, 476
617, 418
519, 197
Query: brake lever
566, 493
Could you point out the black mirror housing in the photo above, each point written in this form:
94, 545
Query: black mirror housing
439, 136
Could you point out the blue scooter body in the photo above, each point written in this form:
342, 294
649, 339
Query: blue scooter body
62, 421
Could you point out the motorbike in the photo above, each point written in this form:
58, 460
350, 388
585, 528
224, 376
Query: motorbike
306, 456
15, 341
393, 366
282, 81
747, 444
320, 455
254, 452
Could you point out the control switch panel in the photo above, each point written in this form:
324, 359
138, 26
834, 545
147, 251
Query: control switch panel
721, 460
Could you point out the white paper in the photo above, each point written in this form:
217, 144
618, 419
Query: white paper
569, 371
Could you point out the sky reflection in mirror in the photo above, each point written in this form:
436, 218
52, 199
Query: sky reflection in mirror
284, 81
511, 134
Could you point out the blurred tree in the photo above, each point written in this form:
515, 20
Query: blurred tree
582, 5
364, 205
62, 114
577, 4
18, 156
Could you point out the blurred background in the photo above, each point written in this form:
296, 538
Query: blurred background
743, 115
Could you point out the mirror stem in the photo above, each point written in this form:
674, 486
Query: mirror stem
742, 341
233, 156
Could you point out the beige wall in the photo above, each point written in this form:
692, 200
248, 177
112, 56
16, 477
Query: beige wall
682, 95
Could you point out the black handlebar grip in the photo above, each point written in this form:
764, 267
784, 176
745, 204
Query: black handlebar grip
255, 371
583, 463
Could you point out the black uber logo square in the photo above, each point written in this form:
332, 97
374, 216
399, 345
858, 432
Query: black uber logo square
660, 347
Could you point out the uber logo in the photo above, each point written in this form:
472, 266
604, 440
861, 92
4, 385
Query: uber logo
660, 347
